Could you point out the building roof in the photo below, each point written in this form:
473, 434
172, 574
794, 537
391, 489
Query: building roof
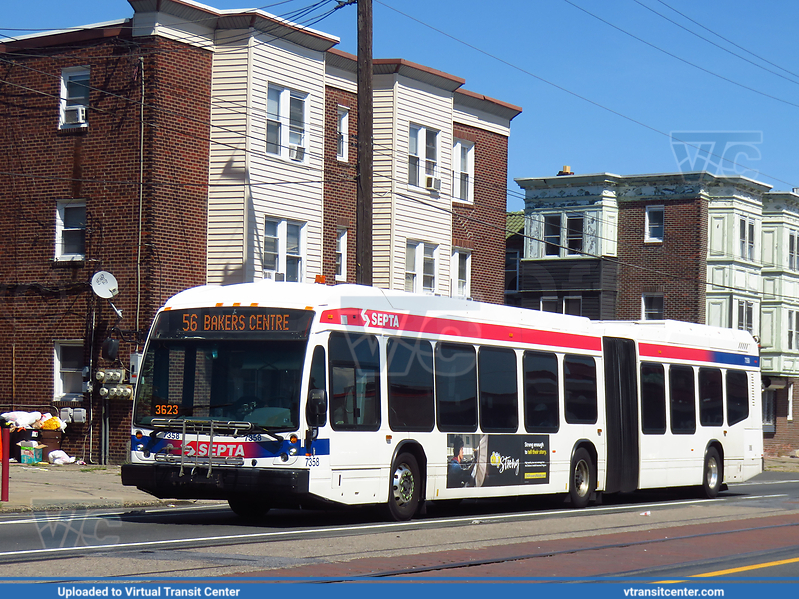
514, 223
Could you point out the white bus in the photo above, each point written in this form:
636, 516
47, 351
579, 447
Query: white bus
274, 394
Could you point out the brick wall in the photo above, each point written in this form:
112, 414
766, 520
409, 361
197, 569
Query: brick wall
682, 255
44, 301
785, 439
480, 227
340, 186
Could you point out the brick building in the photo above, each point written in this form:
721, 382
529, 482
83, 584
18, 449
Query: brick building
695, 247
187, 146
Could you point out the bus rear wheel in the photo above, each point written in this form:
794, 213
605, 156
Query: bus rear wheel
582, 481
405, 488
248, 508
711, 480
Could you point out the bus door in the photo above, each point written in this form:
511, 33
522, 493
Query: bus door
621, 414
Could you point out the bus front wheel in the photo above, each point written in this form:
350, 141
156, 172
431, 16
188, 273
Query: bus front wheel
711, 481
583, 478
405, 488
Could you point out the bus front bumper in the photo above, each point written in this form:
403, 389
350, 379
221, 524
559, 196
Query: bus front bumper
166, 481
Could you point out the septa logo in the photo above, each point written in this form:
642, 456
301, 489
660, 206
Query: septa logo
220, 450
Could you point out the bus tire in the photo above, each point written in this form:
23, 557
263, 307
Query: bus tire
712, 473
247, 508
582, 481
404, 488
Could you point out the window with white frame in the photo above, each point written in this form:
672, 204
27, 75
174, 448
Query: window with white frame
461, 267
511, 271
793, 250
746, 316
655, 224
423, 157
769, 410
342, 134
463, 171
420, 267
68, 375
286, 118
551, 304
70, 230
652, 307
341, 255
283, 250
570, 304
74, 104
746, 236
793, 327
574, 234
552, 235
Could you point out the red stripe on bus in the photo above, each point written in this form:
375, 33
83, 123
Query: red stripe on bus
459, 328
674, 352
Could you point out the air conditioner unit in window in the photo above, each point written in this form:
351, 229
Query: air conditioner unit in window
74, 115
297, 153
432, 183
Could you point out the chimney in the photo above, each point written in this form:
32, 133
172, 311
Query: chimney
567, 170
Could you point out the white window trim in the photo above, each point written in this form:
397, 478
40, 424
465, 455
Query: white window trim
423, 170
61, 256
557, 247
745, 307
342, 134
282, 255
66, 75
58, 371
341, 250
458, 170
455, 272
418, 267
648, 237
644, 296
297, 153
793, 250
747, 240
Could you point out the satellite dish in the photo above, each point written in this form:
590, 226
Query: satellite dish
104, 285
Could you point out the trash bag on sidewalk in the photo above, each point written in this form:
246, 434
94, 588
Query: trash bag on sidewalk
59, 457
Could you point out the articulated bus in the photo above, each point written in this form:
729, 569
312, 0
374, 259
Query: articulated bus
275, 394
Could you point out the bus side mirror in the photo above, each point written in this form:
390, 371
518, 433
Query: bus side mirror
316, 411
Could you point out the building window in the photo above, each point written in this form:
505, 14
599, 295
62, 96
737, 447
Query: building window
463, 171
511, 271
420, 265
283, 250
793, 250
285, 123
654, 224
746, 311
551, 304
423, 157
461, 268
74, 105
574, 234
769, 410
793, 328
552, 235
573, 305
68, 370
746, 234
70, 230
342, 132
341, 255
652, 306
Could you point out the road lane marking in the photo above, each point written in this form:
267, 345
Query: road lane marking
781, 562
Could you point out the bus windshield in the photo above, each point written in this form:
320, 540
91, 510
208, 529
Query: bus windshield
222, 380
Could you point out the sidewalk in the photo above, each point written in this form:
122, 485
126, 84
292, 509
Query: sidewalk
71, 486
35, 487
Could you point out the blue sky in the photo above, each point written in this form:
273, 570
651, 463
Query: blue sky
594, 97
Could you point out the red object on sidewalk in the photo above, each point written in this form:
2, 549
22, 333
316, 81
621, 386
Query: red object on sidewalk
5, 445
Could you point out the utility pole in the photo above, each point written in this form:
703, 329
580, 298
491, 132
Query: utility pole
363, 223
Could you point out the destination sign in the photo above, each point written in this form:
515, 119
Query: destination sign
233, 321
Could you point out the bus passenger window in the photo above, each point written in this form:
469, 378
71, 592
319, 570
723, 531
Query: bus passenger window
711, 409
410, 385
541, 413
737, 404
456, 387
579, 387
355, 382
683, 400
318, 378
499, 398
653, 399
